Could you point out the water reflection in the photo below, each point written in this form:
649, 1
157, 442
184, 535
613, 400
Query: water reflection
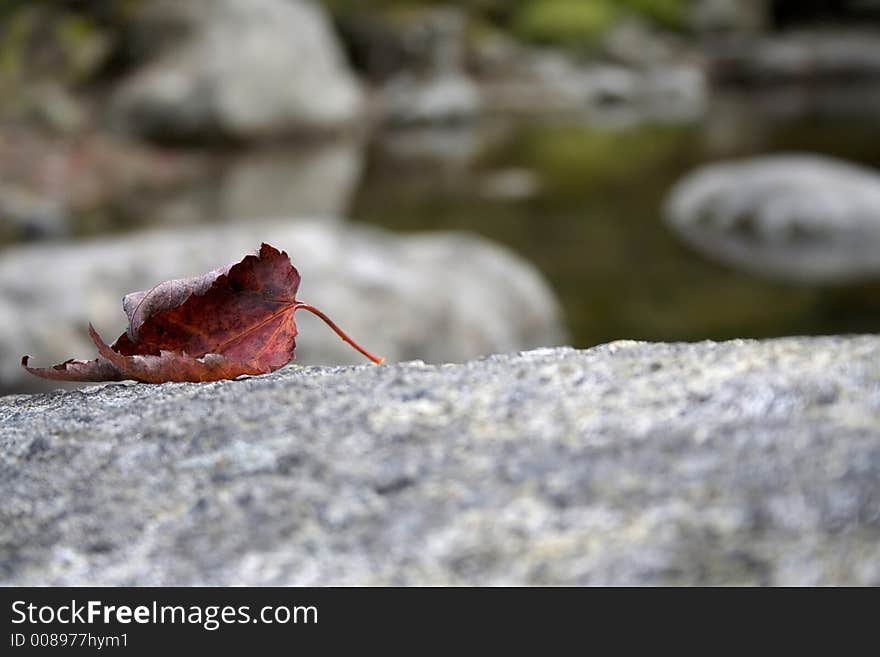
587, 208
318, 180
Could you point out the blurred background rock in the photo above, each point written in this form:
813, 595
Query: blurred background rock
493, 174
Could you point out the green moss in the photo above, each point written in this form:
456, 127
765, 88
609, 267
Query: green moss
565, 22
668, 13
13, 45
573, 24
574, 158
82, 46
38, 43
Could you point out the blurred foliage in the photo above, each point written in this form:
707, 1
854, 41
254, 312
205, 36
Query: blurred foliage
70, 42
668, 13
566, 22
570, 23
579, 23
64, 42
574, 159
40, 43
49, 50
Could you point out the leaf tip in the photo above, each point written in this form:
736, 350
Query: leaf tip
96, 338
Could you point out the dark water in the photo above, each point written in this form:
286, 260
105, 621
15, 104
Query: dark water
582, 202
592, 222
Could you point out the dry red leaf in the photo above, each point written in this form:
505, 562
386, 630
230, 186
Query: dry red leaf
229, 322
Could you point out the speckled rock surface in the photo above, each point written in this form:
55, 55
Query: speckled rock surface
631, 463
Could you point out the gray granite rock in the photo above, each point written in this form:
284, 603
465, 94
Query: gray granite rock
735, 463
806, 55
229, 69
438, 88
435, 296
438, 98
610, 94
25, 215
798, 217
714, 17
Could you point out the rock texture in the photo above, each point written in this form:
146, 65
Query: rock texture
241, 70
667, 91
714, 17
438, 297
735, 463
26, 215
807, 55
439, 89
804, 218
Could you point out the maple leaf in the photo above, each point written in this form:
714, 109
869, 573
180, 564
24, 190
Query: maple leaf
231, 321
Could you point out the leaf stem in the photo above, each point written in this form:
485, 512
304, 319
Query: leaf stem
339, 331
